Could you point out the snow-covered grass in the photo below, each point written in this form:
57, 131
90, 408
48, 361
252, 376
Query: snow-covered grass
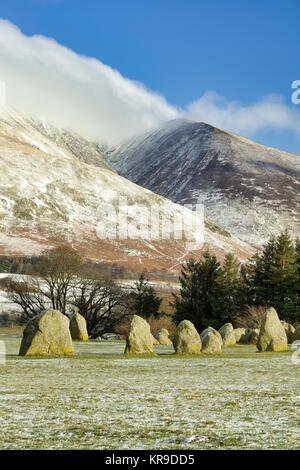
100, 399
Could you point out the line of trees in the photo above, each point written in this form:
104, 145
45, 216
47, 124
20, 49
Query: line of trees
212, 294
62, 281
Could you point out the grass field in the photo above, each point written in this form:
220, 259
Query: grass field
99, 399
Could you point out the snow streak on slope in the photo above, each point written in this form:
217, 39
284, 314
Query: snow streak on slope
47, 137
249, 189
56, 186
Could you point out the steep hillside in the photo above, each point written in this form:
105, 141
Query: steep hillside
19, 128
249, 189
49, 195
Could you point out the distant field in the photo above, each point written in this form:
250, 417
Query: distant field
101, 400
11, 331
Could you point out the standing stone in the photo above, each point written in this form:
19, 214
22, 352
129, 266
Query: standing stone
253, 336
228, 335
289, 331
162, 337
250, 336
212, 330
296, 336
78, 328
155, 342
139, 339
186, 339
47, 334
272, 336
239, 333
211, 341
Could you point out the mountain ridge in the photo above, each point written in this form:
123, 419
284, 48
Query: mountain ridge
49, 195
251, 190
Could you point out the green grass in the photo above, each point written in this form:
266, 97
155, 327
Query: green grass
100, 399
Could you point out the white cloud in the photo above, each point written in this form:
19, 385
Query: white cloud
46, 79
268, 113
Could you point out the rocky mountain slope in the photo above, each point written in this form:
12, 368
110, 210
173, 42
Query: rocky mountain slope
57, 187
249, 189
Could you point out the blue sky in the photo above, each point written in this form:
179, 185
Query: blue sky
241, 49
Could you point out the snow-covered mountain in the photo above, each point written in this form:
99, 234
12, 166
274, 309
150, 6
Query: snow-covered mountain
47, 137
56, 186
249, 189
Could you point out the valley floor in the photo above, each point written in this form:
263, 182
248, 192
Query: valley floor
101, 400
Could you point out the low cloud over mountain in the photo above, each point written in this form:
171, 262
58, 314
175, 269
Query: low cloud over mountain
48, 80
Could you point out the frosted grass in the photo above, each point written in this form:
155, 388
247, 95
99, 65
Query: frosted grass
239, 400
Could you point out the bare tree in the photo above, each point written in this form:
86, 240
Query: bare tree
103, 305
54, 277
60, 281
250, 317
58, 270
28, 295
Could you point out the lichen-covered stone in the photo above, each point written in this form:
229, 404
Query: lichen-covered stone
215, 332
239, 333
272, 336
162, 337
228, 335
139, 339
78, 328
211, 341
47, 334
187, 339
289, 331
253, 336
225, 329
250, 336
155, 342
